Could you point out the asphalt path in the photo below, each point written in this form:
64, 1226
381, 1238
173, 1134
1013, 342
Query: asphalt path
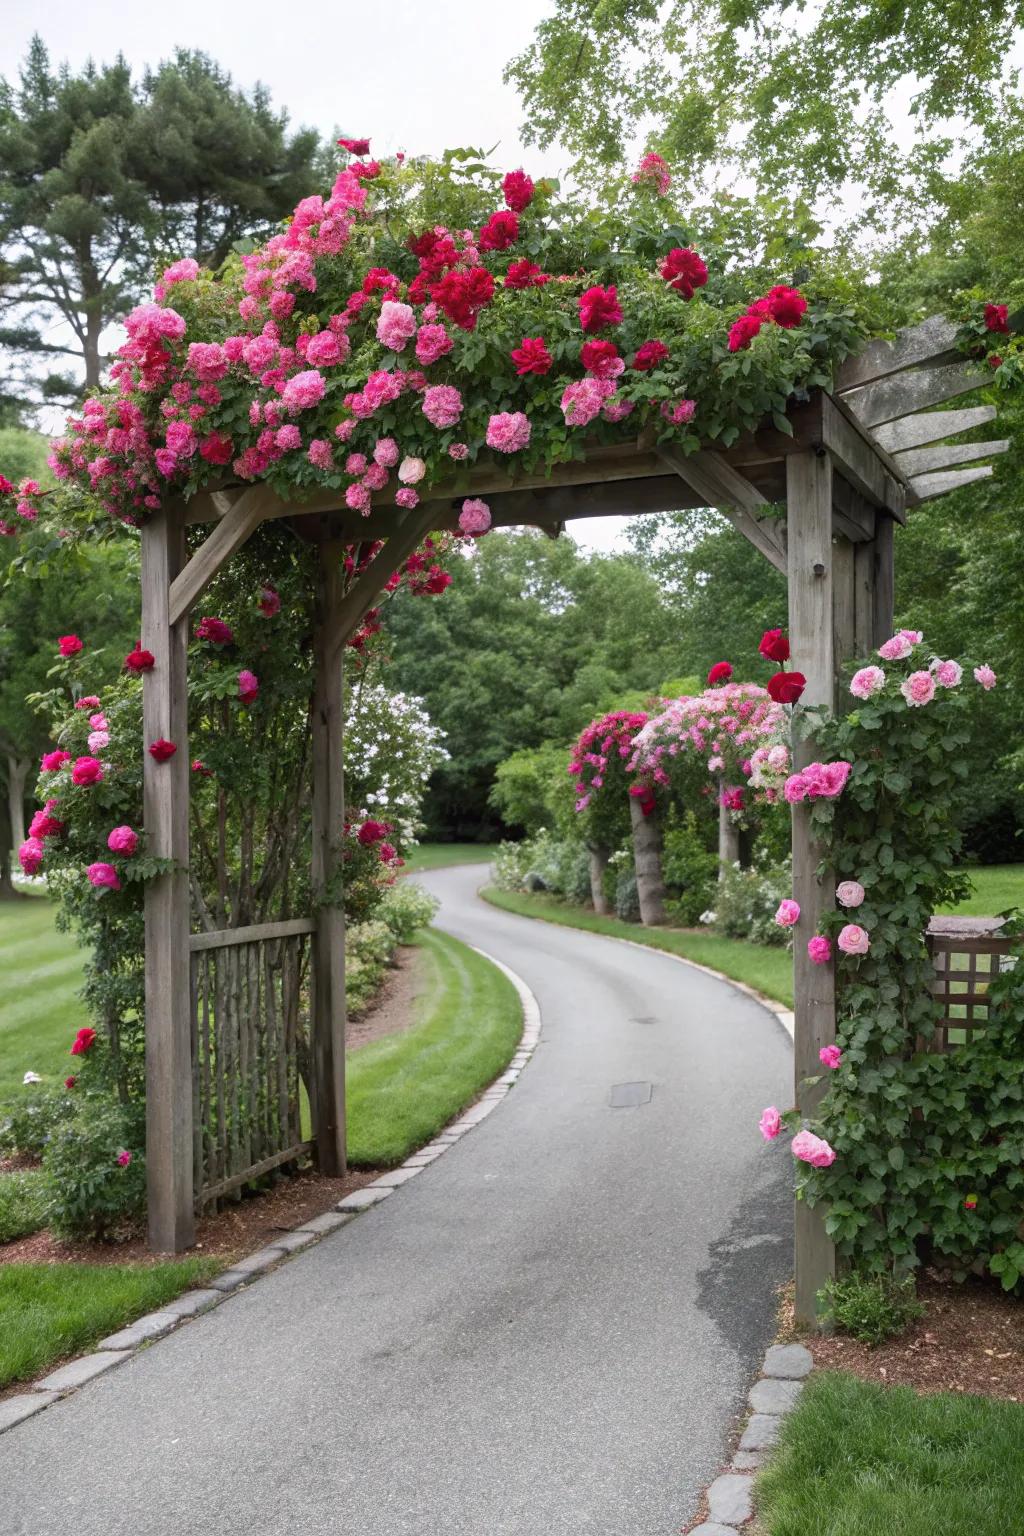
549, 1331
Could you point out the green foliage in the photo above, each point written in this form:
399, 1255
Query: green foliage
368, 949
626, 900
407, 907
23, 1204
690, 868
89, 1193
871, 1308
29, 1122
50, 1311
745, 902
532, 789
545, 862
859, 1459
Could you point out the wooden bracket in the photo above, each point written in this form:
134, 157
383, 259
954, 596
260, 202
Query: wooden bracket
726, 489
230, 534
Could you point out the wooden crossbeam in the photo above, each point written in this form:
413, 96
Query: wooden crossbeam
920, 461
931, 427
926, 487
721, 486
858, 458
889, 398
230, 534
930, 342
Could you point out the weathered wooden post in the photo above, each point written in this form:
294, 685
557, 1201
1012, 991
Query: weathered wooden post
728, 834
165, 788
650, 882
810, 561
328, 1019
598, 863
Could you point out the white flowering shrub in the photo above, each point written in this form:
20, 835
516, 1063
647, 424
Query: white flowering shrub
391, 749
746, 901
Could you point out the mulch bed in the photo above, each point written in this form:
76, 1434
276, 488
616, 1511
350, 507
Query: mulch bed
970, 1339
394, 1007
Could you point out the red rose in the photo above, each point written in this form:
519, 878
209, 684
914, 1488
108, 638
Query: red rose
69, 645
684, 271
720, 673
786, 687
139, 660
52, 762
365, 170
216, 448
198, 766
525, 274
500, 231
786, 306
600, 359
161, 750
463, 294
995, 361
774, 645
372, 832
83, 1042
355, 146
599, 307
996, 316
531, 356
214, 630
87, 770
649, 356
743, 331
69, 1082
518, 190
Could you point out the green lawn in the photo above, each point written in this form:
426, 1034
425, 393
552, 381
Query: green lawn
403, 1088
768, 970
440, 855
856, 1459
48, 1311
996, 888
40, 975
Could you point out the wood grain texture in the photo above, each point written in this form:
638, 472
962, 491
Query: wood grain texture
929, 342
720, 485
931, 427
906, 393
926, 487
923, 461
229, 535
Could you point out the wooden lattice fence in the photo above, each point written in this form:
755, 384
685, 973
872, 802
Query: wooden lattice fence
968, 954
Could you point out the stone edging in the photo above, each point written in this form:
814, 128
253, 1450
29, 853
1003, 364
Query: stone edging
730, 1497
121, 1346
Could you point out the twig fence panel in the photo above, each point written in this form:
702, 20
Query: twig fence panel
250, 1008
968, 954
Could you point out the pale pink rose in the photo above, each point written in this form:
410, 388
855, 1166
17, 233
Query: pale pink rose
819, 949
985, 676
849, 893
830, 1056
854, 940
411, 471
896, 649
770, 1123
396, 324
812, 1149
788, 913
947, 673
918, 688
867, 681
98, 740
915, 636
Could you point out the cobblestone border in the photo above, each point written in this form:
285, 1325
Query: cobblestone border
121, 1346
773, 1395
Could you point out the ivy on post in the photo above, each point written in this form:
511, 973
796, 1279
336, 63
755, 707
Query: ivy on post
169, 1146
328, 994
810, 560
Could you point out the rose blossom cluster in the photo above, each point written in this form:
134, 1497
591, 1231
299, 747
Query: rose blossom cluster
920, 686
726, 725
604, 739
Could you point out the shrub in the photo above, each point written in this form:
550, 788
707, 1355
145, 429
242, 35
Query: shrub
406, 908
90, 1191
872, 1308
746, 900
22, 1204
544, 862
627, 902
690, 870
28, 1122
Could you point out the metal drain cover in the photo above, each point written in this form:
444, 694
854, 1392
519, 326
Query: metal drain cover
629, 1095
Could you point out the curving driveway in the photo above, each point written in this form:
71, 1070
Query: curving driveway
548, 1332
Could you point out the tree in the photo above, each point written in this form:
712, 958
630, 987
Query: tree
100, 178
763, 86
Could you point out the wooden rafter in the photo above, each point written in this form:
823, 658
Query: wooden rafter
931, 427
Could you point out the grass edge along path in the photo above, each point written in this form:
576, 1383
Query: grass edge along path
442, 855
403, 1088
859, 1459
769, 971
50, 1311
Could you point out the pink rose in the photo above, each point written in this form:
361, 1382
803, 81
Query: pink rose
396, 324
985, 676
442, 405
830, 1056
508, 431
407, 498
812, 1149
475, 517
103, 876
918, 688
303, 390
123, 840
867, 681
853, 940
385, 452
411, 471
770, 1123
947, 673
30, 855
248, 686
819, 949
97, 740
895, 649
915, 636
788, 913
124, 1157
849, 893
87, 770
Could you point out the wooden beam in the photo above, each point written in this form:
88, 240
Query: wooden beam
165, 791
931, 341
327, 1055
230, 534
809, 517
858, 458
920, 461
884, 580
884, 401
931, 427
349, 612
853, 515
926, 487
721, 486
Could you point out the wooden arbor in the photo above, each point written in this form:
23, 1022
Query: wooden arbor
820, 505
